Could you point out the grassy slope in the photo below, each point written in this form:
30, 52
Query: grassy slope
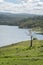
21, 54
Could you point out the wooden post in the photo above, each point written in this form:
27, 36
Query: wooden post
30, 33
31, 42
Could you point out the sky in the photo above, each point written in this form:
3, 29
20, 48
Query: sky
22, 6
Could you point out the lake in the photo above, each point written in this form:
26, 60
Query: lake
13, 34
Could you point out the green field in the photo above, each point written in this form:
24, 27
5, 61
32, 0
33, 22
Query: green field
21, 54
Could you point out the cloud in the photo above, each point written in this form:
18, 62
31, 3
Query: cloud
1, 0
25, 6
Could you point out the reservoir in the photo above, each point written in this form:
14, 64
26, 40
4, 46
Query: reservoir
13, 34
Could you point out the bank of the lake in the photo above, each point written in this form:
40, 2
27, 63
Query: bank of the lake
21, 54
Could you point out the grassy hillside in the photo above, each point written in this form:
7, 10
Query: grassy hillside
22, 54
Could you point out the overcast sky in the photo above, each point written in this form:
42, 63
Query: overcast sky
22, 6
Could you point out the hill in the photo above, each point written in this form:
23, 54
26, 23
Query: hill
21, 20
32, 22
12, 19
21, 54
8, 18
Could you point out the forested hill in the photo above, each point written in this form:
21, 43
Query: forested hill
31, 22
12, 19
22, 20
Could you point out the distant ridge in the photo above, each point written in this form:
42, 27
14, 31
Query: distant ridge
21, 19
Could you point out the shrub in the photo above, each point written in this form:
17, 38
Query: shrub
2, 63
16, 48
7, 56
7, 62
34, 38
41, 45
26, 55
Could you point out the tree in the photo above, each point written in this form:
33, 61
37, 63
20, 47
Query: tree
29, 33
32, 35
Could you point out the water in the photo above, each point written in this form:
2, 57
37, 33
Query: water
12, 34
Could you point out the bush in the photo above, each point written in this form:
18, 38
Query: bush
26, 55
41, 45
34, 38
16, 48
7, 56
2, 63
7, 62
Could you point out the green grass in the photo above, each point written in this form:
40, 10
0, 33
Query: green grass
21, 54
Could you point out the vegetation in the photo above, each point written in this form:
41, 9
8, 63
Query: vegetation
34, 22
21, 53
22, 20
